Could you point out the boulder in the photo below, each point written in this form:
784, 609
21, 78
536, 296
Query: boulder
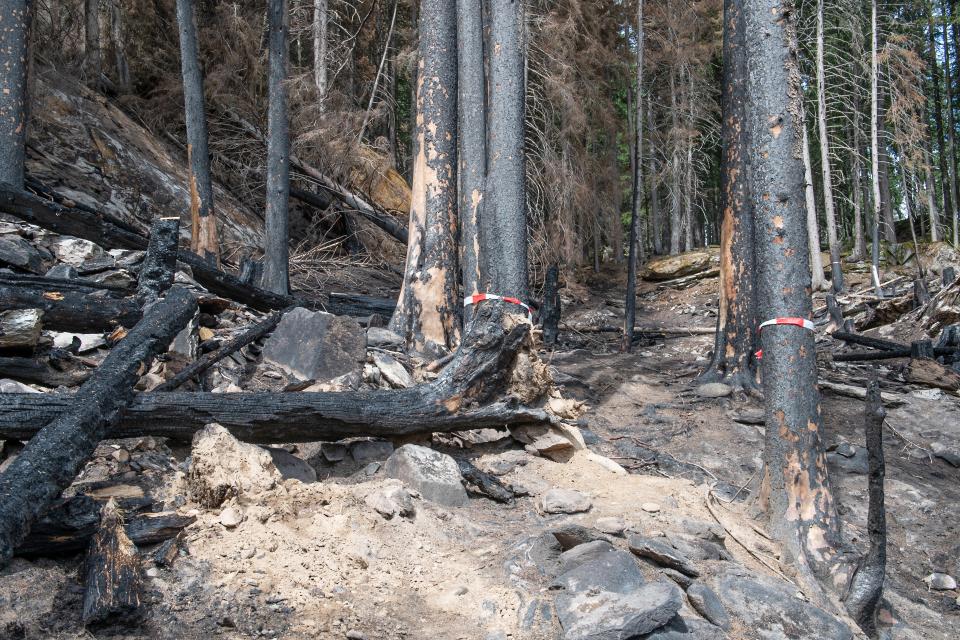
75, 251
383, 338
771, 609
705, 601
222, 467
63, 271
610, 570
20, 328
680, 628
583, 553
17, 252
391, 500
670, 267
564, 501
12, 386
434, 475
617, 616
313, 345
661, 553
392, 371
364, 451
714, 390
290, 466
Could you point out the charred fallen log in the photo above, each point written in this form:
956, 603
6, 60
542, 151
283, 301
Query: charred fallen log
80, 285
51, 460
160, 262
113, 577
41, 371
110, 233
70, 309
464, 396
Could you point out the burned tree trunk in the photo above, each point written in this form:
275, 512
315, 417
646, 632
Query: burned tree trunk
203, 238
735, 341
504, 225
43, 372
52, 458
866, 587
92, 57
636, 248
160, 262
836, 272
550, 311
813, 226
428, 309
276, 248
14, 50
113, 577
795, 489
472, 138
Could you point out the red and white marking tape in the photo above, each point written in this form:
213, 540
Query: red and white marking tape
479, 297
796, 322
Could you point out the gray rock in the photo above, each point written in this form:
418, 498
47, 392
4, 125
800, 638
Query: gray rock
392, 371
855, 464
383, 338
681, 579
434, 475
336, 452
316, 345
680, 628
846, 450
945, 453
538, 553
940, 582
611, 525
583, 553
20, 328
617, 616
88, 341
770, 608
564, 501
705, 530
614, 571
705, 601
12, 386
115, 278
290, 466
17, 252
661, 553
63, 271
699, 549
75, 251
714, 390
570, 534
364, 451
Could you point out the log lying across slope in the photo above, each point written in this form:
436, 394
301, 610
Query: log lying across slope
52, 459
463, 397
81, 222
71, 309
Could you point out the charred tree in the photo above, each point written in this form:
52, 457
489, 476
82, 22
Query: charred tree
795, 489
472, 138
550, 311
428, 309
937, 107
813, 226
504, 225
736, 339
276, 276
14, 52
836, 272
52, 458
92, 56
160, 262
203, 225
636, 248
320, 48
67, 309
875, 151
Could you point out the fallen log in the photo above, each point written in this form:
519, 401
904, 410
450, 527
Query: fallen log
393, 227
40, 371
463, 397
70, 309
69, 526
930, 373
81, 285
160, 262
869, 341
51, 460
113, 577
235, 344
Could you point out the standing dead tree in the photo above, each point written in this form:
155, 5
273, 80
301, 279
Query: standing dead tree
203, 238
14, 49
276, 276
637, 240
427, 314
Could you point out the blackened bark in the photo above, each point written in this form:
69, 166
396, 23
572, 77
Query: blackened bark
41, 371
428, 309
795, 490
836, 271
71, 310
113, 577
504, 225
736, 339
886, 197
92, 57
52, 458
160, 262
656, 221
550, 311
203, 239
866, 587
276, 276
14, 52
635, 250
472, 137
951, 124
